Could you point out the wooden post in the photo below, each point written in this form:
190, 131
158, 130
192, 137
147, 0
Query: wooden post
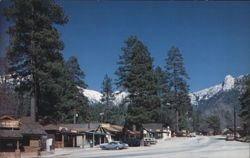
74, 141
84, 140
100, 139
93, 139
33, 107
17, 145
17, 152
62, 140
74, 116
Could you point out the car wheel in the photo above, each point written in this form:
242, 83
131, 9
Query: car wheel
117, 148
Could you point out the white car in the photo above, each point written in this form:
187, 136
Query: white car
230, 137
114, 145
193, 134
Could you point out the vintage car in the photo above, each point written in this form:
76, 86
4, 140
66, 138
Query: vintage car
114, 145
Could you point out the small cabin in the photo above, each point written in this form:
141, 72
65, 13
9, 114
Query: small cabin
70, 135
10, 136
156, 130
20, 137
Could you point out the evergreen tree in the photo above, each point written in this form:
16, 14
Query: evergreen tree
196, 120
107, 98
136, 76
179, 100
245, 106
11, 103
73, 101
94, 112
163, 93
161, 82
8, 98
34, 48
214, 123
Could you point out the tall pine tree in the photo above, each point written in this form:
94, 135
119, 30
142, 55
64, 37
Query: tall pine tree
179, 100
73, 104
107, 98
161, 81
136, 76
164, 94
34, 47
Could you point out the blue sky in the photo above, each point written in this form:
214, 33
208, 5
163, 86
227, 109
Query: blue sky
214, 37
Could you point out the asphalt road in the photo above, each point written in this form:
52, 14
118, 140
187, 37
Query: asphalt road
198, 147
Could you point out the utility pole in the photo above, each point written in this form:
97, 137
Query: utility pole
234, 122
75, 116
102, 117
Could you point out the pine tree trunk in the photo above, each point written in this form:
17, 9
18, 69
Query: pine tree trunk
33, 107
34, 99
177, 120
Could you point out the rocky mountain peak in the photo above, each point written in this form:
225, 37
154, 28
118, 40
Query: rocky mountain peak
228, 83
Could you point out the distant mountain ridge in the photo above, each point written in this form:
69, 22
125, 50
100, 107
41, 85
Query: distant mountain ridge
94, 97
228, 84
220, 100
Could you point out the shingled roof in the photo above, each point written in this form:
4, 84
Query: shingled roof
28, 127
111, 128
25, 127
152, 127
76, 127
10, 134
32, 129
51, 127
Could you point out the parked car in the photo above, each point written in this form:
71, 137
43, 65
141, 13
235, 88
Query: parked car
132, 141
149, 141
114, 145
182, 133
193, 134
230, 137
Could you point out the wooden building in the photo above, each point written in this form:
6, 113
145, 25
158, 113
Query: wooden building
10, 137
156, 130
88, 134
70, 135
32, 133
107, 132
19, 137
